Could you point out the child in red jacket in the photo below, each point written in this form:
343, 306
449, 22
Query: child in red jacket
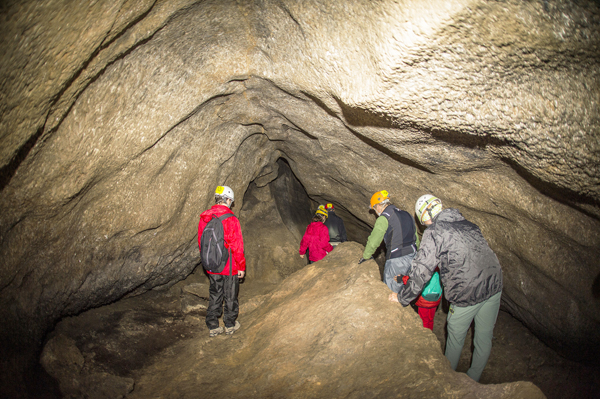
316, 238
426, 308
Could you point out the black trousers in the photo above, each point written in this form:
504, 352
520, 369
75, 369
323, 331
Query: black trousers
223, 289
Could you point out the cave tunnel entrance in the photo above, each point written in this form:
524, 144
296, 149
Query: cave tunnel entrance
283, 206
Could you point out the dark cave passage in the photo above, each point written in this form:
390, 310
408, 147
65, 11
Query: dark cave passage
296, 207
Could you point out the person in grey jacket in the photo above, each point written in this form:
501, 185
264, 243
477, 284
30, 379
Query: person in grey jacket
470, 273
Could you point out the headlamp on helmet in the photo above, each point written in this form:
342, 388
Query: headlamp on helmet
322, 211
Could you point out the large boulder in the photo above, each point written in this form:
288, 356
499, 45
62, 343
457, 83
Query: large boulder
118, 120
326, 331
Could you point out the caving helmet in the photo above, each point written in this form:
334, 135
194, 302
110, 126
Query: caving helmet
224, 191
321, 211
329, 207
379, 197
427, 207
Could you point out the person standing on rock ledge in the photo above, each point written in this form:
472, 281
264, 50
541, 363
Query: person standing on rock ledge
335, 224
397, 228
471, 275
316, 238
224, 286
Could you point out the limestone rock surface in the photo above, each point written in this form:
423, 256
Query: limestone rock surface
118, 119
325, 331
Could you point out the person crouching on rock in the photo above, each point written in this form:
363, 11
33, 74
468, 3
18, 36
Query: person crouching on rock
398, 229
316, 238
427, 302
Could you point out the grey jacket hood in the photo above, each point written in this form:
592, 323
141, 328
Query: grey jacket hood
449, 215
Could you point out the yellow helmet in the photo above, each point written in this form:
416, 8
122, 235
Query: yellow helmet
379, 197
322, 211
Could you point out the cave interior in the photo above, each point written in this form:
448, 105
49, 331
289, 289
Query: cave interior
119, 119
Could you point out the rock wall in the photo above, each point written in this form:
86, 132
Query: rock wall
118, 119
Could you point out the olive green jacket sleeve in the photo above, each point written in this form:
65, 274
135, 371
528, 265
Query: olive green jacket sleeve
374, 241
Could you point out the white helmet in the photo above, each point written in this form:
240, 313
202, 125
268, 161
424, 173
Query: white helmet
427, 207
225, 191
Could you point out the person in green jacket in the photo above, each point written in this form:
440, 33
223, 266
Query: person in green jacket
398, 230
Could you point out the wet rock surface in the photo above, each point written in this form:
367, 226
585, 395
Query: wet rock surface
118, 120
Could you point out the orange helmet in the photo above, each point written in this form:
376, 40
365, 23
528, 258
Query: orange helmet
379, 197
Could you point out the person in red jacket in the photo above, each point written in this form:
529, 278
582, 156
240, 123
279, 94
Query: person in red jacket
224, 286
426, 309
316, 238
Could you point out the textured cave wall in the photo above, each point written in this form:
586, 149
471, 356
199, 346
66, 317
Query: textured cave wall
118, 119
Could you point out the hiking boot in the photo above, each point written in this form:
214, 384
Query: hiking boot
215, 331
231, 330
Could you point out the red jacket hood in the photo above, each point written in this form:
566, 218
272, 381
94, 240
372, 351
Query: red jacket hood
217, 210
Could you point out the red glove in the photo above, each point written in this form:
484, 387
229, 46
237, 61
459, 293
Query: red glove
404, 279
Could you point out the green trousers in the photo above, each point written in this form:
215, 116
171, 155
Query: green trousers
459, 321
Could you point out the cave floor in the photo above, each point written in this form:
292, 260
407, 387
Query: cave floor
517, 355
125, 337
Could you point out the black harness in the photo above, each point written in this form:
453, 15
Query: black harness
400, 237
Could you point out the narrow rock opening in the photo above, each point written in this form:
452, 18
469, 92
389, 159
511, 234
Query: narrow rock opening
283, 203
291, 199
